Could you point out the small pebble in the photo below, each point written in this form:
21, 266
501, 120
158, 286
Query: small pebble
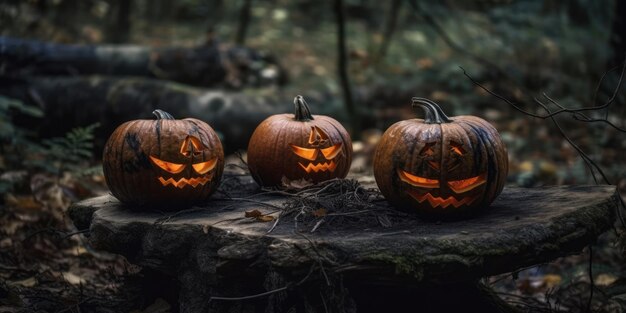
465, 233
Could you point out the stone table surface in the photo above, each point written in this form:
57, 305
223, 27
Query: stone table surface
215, 244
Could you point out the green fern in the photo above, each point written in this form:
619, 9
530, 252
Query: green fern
68, 153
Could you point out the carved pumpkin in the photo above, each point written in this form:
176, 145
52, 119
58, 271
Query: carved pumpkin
440, 166
163, 162
287, 147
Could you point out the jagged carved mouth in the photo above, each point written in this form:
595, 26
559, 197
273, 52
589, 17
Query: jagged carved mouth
183, 182
319, 167
436, 202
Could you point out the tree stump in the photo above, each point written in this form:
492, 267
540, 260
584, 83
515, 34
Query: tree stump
215, 252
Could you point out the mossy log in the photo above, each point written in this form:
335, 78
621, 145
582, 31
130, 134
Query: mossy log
208, 65
215, 251
70, 102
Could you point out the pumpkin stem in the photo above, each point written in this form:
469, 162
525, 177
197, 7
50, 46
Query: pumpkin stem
434, 113
302, 109
162, 115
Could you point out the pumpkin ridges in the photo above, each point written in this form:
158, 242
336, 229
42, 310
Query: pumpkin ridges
121, 186
133, 178
271, 157
485, 147
493, 188
345, 140
501, 152
460, 188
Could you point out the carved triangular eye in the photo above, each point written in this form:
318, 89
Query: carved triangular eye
309, 154
173, 168
332, 151
417, 181
464, 185
456, 148
204, 167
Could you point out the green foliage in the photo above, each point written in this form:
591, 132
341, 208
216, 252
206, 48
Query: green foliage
8, 132
55, 155
68, 153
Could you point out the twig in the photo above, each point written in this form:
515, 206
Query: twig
590, 271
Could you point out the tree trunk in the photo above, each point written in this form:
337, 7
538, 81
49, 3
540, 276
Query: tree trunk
618, 35
119, 25
342, 67
204, 65
244, 21
390, 27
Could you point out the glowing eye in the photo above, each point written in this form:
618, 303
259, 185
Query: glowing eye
460, 186
167, 166
418, 181
456, 149
331, 152
309, 154
204, 167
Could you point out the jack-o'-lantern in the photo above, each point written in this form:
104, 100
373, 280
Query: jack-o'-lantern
163, 162
286, 147
444, 167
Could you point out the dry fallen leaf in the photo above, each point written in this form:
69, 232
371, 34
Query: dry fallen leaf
73, 278
253, 213
605, 279
319, 212
259, 216
265, 218
28, 282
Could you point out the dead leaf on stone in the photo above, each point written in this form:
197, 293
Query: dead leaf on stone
253, 213
265, 218
256, 214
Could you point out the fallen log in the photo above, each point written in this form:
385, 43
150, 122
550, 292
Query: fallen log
208, 65
70, 102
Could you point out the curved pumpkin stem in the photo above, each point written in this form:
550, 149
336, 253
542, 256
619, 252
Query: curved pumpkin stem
434, 113
162, 115
302, 112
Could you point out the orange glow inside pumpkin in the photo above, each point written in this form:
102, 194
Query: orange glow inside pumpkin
463, 185
442, 202
193, 181
203, 167
306, 153
317, 138
168, 166
418, 181
191, 146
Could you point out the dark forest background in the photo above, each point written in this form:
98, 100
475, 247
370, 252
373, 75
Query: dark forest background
72, 70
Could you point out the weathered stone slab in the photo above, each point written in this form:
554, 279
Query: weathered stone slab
213, 251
